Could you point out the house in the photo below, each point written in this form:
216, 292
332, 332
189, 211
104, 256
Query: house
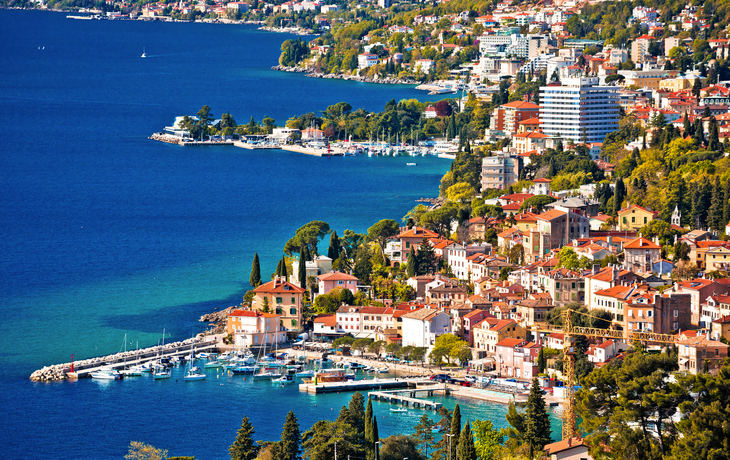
332, 280
563, 285
533, 312
699, 355
283, 298
447, 295
562, 227
469, 321
603, 352
411, 238
699, 289
517, 358
422, 327
325, 326
721, 328
529, 141
366, 60
568, 449
254, 328
633, 217
641, 254
491, 331
606, 278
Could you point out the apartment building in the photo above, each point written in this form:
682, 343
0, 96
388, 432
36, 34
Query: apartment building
500, 171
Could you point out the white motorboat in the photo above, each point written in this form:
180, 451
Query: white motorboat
144, 53
266, 375
161, 373
285, 379
106, 373
305, 374
400, 409
133, 371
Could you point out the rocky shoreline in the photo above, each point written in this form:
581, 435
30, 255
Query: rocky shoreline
341, 76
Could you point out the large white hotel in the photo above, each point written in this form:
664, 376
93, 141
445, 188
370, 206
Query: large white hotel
579, 110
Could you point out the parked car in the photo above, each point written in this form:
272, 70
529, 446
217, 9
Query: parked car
441, 378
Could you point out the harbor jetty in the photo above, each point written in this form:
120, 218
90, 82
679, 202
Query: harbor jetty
84, 368
408, 397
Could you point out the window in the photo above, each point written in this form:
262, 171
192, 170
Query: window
293, 322
676, 313
633, 219
408, 245
292, 311
293, 300
649, 313
572, 285
278, 311
278, 300
557, 285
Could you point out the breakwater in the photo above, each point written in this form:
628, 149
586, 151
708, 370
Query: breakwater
84, 367
341, 76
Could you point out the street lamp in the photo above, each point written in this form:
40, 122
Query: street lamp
449, 436
377, 450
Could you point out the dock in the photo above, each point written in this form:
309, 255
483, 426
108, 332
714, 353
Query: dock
318, 152
408, 397
256, 146
359, 385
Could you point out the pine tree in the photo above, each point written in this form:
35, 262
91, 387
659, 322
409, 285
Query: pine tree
726, 204
466, 449
305, 255
455, 430
244, 447
255, 279
290, 438
412, 263
333, 252
537, 421
356, 411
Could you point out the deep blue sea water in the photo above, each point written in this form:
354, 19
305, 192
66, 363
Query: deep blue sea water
104, 232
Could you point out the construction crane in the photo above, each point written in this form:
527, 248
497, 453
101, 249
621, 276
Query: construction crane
570, 332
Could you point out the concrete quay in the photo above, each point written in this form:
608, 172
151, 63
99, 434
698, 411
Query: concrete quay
313, 151
359, 385
408, 397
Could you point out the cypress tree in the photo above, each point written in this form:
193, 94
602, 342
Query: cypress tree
302, 272
687, 126
713, 143
715, 215
537, 422
333, 252
726, 204
455, 430
278, 268
305, 255
255, 279
618, 196
356, 411
290, 438
412, 263
369, 443
376, 438
284, 273
244, 447
466, 449
541, 361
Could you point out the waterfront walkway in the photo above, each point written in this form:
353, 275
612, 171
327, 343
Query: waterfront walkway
408, 397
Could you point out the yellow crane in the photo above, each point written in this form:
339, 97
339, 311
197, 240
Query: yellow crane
570, 331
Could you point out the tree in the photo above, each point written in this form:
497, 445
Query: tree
537, 202
517, 254
265, 305
466, 449
302, 273
426, 258
537, 421
697, 89
412, 268
541, 361
307, 236
244, 447
356, 413
516, 430
381, 231
142, 451
333, 252
319, 441
255, 279
487, 440
455, 431
424, 433
398, 447
449, 346
369, 443
619, 192
363, 265
290, 437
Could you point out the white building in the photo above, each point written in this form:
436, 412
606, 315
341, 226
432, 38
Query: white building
366, 60
421, 327
500, 171
322, 264
579, 110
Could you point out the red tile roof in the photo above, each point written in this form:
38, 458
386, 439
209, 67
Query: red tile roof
279, 286
337, 276
641, 243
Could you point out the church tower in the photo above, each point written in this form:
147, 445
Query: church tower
677, 217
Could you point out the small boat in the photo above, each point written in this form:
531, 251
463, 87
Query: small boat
285, 379
243, 370
213, 365
400, 409
382, 370
133, 371
194, 374
305, 374
161, 374
144, 53
411, 164
266, 375
106, 373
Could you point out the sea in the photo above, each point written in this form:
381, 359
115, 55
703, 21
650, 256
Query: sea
107, 236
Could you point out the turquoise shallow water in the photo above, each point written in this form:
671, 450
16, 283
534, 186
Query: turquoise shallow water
105, 233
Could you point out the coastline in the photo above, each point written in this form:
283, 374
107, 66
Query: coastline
342, 76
